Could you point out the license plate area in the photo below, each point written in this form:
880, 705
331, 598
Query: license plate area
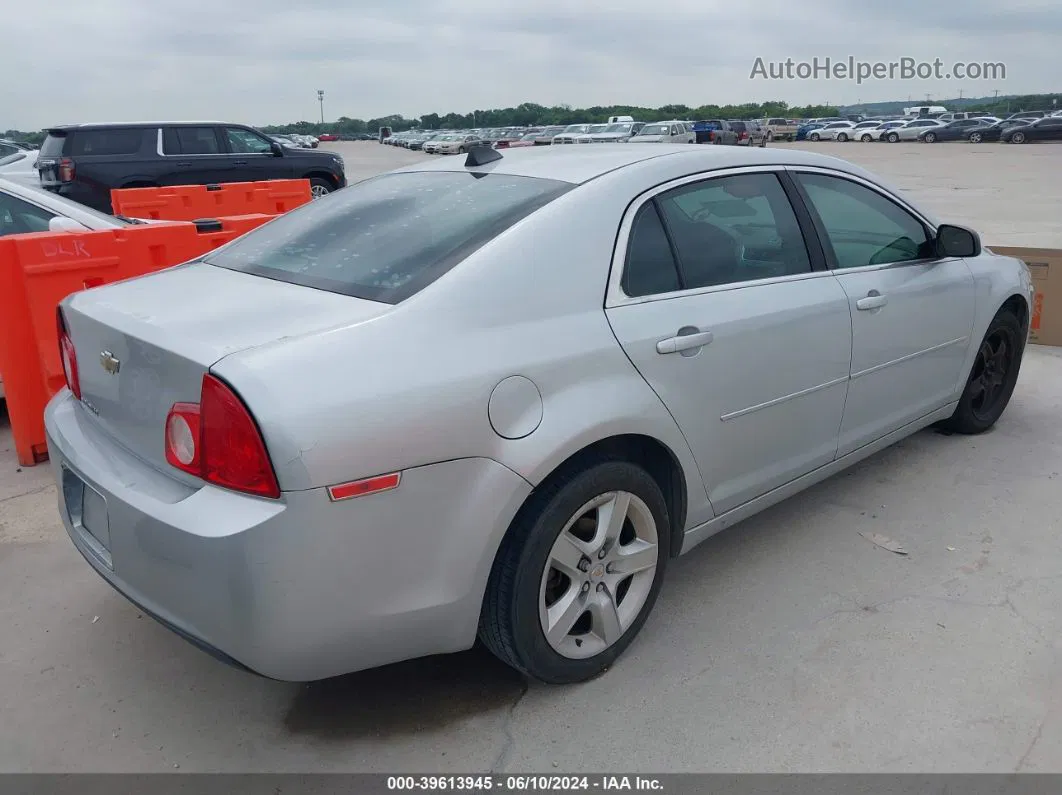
88, 514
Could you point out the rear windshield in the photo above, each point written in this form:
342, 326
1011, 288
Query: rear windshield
655, 129
389, 237
53, 145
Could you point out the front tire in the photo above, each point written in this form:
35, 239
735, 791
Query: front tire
1017, 138
319, 187
867, 138
976, 138
578, 573
893, 138
930, 138
992, 377
842, 137
815, 137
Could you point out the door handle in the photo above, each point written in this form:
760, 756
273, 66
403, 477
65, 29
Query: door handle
184, 165
874, 300
239, 162
684, 342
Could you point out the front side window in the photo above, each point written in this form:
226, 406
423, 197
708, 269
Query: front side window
387, 238
862, 226
243, 141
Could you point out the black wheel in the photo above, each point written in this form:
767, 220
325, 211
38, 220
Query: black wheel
770, 135
319, 186
992, 378
1017, 138
577, 573
976, 138
763, 142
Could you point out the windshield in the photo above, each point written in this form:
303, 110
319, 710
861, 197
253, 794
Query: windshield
575, 128
618, 128
389, 237
655, 129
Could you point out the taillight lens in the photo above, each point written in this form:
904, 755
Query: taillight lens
66, 170
219, 441
67, 354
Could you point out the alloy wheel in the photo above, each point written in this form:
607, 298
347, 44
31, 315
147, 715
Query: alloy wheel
599, 575
317, 191
989, 376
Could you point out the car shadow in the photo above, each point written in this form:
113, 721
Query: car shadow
426, 694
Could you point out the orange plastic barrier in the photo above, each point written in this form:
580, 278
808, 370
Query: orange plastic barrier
38, 270
191, 202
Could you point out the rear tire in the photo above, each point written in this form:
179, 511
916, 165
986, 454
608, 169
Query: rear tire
893, 138
550, 558
842, 137
992, 378
814, 137
867, 138
976, 138
1017, 138
930, 138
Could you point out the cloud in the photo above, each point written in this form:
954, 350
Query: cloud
262, 61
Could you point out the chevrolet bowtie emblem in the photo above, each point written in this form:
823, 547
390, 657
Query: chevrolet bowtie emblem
110, 362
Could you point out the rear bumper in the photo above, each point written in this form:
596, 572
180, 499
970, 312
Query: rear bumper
296, 589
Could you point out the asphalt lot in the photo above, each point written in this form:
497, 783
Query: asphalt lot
787, 643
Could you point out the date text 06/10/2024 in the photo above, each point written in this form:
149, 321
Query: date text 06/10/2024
523, 783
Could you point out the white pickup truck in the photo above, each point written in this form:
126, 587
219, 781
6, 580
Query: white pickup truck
779, 129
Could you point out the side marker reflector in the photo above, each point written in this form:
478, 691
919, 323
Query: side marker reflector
359, 488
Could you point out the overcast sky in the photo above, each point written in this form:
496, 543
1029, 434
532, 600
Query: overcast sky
262, 61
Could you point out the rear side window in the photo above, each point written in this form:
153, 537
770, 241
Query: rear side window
389, 237
650, 267
106, 142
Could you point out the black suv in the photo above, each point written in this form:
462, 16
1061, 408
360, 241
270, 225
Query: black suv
84, 162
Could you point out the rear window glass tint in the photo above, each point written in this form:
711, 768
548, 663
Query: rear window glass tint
190, 141
387, 238
53, 145
106, 142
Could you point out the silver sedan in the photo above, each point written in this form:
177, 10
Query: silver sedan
493, 397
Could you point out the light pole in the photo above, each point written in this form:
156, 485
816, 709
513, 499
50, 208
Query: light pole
320, 99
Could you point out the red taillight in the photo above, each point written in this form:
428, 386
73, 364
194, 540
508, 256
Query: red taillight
218, 440
744, 135
67, 354
66, 170
711, 135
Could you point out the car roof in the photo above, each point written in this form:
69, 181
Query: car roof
577, 165
57, 204
97, 125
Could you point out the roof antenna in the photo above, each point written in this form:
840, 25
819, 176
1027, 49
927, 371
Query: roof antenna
481, 155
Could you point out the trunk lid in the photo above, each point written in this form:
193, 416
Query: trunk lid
166, 330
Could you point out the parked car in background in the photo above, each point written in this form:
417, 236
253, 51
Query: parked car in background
592, 133
528, 140
1029, 114
857, 131
85, 162
993, 132
545, 138
284, 140
543, 500
1048, 128
617, 132
505, 137
21, 166
911, 130
779, 129
957, 130
664, 132
570, 133
876, 133
456, 144
833, 131
714, 131
328, 137
804, 130
749, 132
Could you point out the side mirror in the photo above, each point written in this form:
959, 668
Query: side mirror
276, 149
957, 241
62, 224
